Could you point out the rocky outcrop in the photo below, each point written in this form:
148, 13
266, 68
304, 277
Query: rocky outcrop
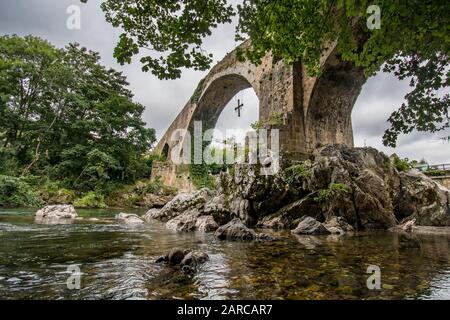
235, 230
129, 218
360, 185
310, 226
422, 199
56, 214
339, 190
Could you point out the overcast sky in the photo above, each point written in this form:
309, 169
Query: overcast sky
164, 99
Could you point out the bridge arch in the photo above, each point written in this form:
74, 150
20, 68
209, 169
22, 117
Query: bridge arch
216, 96
314, 110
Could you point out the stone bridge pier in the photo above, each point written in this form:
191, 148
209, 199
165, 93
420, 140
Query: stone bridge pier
314, 110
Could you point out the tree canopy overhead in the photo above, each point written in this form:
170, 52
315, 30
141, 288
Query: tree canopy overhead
412, 42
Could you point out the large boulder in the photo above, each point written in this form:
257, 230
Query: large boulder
129, 218
218, 207
338, 225
310, 226
56, 214
182, 202
184, 222
422, 199
192, 220
235, 230
206, 224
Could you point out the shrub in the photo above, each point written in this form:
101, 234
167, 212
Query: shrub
334, 190
91, 200
435, 172
297, 172
401, 164
15, 192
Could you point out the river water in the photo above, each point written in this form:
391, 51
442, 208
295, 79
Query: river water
117, 262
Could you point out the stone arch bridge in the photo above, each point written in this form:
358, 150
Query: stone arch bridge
314, 110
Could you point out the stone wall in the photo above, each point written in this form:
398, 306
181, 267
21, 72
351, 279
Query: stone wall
445, 181
173, 175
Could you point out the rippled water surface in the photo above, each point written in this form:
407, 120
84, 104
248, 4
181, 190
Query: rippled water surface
117, 262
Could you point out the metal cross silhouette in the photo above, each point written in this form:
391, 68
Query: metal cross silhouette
238, 108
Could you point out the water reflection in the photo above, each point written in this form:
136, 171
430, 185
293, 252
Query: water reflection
117, 262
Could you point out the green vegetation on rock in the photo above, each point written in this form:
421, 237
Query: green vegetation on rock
334, 190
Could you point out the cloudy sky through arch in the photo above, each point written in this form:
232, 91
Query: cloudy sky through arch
164, 99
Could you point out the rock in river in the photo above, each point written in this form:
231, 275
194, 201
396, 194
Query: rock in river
310, 226
235, 230
56, 214
187, 260
129, 218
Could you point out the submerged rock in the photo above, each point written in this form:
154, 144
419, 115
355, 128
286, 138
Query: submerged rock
129, 218
56, 214
186, 259
405, 227
338, 225
310, 226
235, 230
192, 260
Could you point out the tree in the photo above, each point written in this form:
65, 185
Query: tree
65, 115
412, 42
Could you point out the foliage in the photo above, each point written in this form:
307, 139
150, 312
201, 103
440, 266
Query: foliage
401, 164
296, 173
66, 117
173, 28
91, 200
412, 42
334, 190
200, 176
276, 119
435, 172
16, 192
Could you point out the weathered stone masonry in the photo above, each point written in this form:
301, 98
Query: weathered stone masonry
316, 110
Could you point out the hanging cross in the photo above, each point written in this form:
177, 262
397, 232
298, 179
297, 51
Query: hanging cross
238, 108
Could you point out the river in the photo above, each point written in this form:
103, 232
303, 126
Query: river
117, 262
